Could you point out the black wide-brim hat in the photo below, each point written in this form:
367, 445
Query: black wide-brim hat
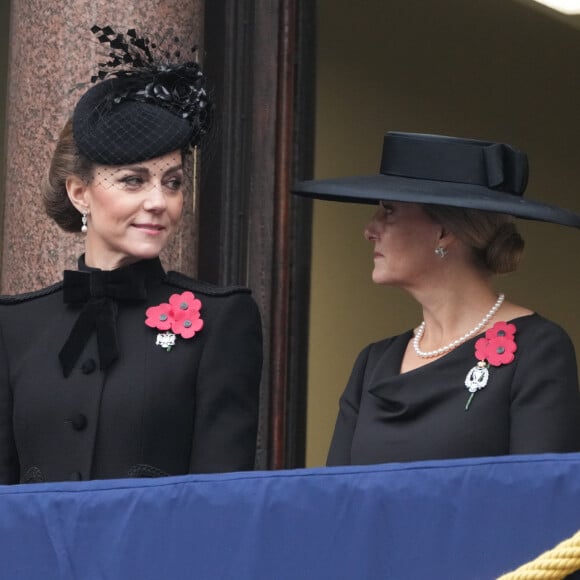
442, 170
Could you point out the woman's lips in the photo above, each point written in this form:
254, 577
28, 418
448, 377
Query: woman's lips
150, 228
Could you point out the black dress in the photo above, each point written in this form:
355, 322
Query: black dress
151, 411
531, 405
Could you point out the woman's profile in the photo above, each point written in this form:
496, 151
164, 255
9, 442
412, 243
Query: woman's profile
480, 375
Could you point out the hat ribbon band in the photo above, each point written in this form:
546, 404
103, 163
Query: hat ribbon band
495, 166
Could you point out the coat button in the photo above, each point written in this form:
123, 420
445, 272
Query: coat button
88, 366
79, 422
76, 476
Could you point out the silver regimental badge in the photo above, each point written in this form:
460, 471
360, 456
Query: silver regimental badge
475, 380
477, 377
166, 340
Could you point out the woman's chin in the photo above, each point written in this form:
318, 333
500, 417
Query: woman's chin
148, 254
147, 251
379, 277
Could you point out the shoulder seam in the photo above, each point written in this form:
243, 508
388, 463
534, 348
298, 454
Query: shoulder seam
18, 298
187, 283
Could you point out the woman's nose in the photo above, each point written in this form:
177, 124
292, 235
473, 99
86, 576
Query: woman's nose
155, 200
369, 234
372, 231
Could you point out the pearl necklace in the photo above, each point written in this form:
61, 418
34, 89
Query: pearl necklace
458, 341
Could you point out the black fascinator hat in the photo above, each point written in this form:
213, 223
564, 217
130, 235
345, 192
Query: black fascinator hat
441, 170
142, 105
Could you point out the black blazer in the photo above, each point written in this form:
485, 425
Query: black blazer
152, 412
531, 405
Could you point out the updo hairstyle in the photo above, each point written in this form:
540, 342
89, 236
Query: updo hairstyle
496, 245
66, 162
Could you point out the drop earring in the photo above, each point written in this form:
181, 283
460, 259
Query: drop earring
441, 251
84, 227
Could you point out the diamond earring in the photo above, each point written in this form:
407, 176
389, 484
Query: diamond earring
441, 251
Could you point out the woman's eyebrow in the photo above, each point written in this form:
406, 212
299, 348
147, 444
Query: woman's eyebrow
135, 168
174, 168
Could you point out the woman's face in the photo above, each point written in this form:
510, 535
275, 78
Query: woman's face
133, 210
404, 239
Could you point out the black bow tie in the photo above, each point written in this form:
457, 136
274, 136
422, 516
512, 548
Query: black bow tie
123, 284
99, 291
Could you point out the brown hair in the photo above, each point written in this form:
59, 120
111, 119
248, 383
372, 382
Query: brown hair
66, 161
493, 237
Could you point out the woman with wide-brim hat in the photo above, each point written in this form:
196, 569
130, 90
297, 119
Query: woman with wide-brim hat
480, 376
123, 369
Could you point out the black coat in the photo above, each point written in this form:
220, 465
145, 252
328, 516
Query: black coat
531, 405
152, 412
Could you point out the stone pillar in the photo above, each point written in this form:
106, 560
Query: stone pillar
51, 51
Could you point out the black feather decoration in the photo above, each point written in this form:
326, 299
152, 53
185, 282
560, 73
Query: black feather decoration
150, 75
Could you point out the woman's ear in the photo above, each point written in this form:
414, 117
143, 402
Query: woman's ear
76, 189
446, 236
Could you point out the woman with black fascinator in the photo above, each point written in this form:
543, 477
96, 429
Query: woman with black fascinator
480, 375
123, 369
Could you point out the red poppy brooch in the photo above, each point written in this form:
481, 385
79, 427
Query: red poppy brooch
496, 348
180, 316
